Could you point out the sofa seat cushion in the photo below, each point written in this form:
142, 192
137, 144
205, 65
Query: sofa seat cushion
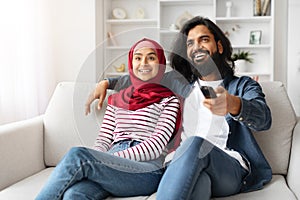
28, 188
277, 189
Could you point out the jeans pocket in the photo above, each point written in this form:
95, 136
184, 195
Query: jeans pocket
122, 145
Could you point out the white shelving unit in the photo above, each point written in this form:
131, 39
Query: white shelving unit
160, 14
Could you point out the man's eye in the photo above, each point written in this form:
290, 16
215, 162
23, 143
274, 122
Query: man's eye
189, 44
205, 40
137, 58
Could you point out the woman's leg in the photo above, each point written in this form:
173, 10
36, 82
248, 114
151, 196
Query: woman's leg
115, 175
200, 170
85, 190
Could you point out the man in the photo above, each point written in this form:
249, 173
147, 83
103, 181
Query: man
218, 155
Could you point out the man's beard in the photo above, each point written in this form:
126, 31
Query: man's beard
207, 66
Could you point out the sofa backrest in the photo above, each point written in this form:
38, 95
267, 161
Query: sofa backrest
65, 124
276, 142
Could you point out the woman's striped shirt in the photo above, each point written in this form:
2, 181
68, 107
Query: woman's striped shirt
153, 126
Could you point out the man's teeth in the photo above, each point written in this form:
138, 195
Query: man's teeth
200, 55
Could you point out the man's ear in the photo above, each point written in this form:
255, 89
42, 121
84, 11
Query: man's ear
220, 47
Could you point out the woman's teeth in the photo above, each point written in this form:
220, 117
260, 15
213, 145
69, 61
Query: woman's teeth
144, 70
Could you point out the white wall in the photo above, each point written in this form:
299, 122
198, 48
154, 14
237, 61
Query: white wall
280, 37
294, 54
73, 35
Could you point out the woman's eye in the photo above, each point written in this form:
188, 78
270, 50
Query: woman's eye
152, 58
137, 58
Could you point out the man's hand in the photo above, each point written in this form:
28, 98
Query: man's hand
224, 103
98, 93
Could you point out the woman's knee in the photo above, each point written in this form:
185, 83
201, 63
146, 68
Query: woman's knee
76, 153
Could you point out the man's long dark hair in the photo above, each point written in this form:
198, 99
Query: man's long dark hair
178, 56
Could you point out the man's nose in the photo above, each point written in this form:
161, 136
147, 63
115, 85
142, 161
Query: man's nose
197, 45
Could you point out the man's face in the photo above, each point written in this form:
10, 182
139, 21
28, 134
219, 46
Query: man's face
201, 46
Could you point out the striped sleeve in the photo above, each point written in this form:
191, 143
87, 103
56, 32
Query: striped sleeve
105, 136
153, 147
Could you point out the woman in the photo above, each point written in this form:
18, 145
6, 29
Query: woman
129, 152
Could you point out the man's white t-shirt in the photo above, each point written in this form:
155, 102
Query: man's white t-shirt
199, 120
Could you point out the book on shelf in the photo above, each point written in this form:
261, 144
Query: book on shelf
265, 7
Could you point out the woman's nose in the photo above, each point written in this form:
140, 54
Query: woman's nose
144, 61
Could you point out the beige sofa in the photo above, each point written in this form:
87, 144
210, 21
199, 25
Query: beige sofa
30, 149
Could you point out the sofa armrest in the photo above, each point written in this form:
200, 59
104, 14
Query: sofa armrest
21, 150
293, 171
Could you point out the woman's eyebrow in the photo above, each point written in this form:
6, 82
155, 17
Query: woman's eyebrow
139, 54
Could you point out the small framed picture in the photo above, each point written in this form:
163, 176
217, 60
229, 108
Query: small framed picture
255, 37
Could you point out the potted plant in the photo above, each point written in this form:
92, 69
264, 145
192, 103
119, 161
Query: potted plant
241, 58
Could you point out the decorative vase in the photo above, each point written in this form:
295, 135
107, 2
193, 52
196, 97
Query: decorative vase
241, 66
228, 8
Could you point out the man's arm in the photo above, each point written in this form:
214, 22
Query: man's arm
116, 83
244, 102
172, 80
254, 111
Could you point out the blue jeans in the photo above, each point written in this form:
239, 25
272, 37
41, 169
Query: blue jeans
84, 173
200, 170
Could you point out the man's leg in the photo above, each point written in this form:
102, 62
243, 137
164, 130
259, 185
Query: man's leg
200, 170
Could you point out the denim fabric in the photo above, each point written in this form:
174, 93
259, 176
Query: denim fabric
255, 115
84, 173
200, 170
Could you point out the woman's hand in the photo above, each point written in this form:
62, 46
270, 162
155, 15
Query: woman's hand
98, 93
224, 103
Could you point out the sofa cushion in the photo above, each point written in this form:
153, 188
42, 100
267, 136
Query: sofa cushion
276, 142
63, 121
28, 188
277, 189
67, 126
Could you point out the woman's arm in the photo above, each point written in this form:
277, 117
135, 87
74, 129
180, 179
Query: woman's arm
105, 136
153, 147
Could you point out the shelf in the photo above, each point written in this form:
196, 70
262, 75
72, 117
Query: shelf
259, 19
131, 21
253, 74
187, 2
161, 14
118, 48
166, 31
251, 46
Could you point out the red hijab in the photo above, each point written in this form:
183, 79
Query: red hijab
142, 93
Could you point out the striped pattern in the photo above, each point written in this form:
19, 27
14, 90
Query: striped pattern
153, 126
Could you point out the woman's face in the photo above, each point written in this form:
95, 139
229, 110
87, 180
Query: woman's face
145, 63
